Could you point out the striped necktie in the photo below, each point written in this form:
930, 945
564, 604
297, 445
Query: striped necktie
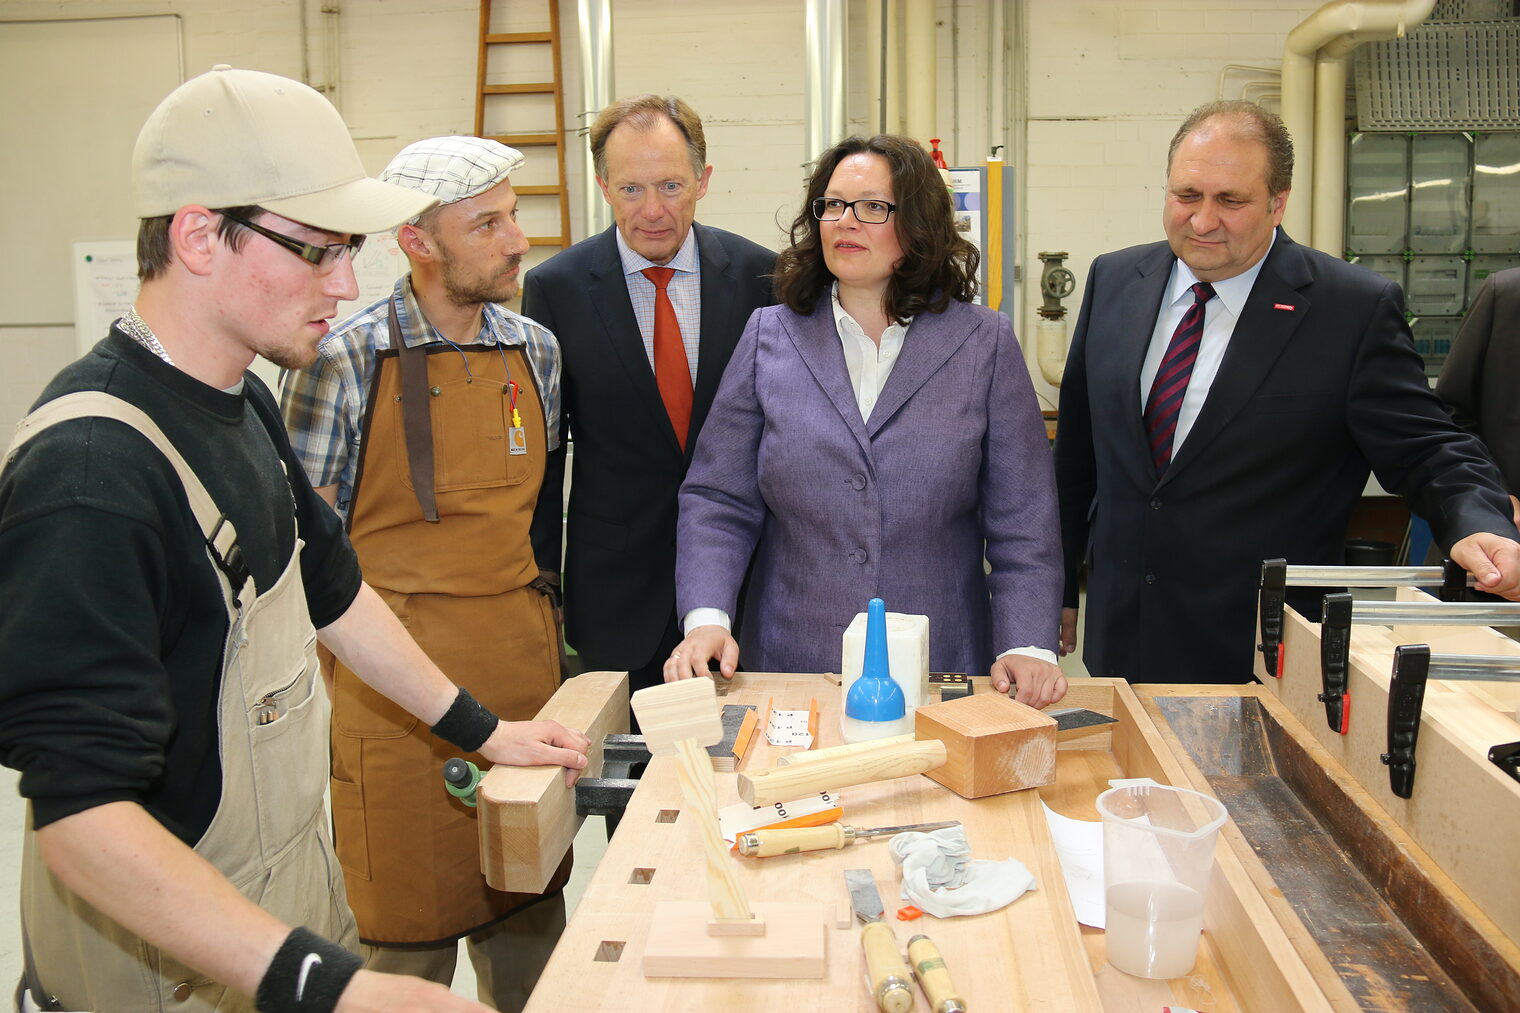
1170, 386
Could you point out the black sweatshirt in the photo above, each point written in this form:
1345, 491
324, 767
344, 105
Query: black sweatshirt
112, 621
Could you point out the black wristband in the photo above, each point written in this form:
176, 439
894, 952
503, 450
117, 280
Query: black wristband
467, 723
307, 975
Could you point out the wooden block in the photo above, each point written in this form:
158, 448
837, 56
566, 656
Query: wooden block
680, 945
992, 744
526, 815
675, 711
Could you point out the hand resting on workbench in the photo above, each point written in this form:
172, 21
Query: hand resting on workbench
703, 644
1037, 682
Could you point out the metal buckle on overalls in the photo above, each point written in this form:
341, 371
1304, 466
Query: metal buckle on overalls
230, 559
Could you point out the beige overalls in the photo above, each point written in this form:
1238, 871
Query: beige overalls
269, 835
461, 587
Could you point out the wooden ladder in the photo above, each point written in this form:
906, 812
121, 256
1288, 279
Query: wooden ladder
560, 190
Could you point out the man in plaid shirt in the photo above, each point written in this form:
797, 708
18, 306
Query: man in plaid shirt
427, 421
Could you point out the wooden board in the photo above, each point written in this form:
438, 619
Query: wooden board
1030, 956
527, 815
1464, 812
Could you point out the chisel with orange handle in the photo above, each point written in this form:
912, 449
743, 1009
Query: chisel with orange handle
766, 843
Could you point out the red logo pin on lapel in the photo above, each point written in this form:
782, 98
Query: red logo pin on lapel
1282, 306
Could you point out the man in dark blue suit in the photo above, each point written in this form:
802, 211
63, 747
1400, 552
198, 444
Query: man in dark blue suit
647, 314
1226, 393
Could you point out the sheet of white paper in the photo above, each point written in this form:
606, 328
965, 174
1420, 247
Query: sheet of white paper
789, 728
1079, 846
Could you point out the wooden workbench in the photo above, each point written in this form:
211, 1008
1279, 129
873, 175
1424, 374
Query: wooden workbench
1031, 955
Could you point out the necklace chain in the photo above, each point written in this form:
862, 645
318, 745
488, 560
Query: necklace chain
139, 331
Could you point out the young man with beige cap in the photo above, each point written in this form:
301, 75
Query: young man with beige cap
163, 562
440, 507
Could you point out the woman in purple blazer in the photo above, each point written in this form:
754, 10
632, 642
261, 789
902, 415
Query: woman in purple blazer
874, 435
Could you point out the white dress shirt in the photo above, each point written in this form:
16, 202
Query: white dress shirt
684, 289
1220, 315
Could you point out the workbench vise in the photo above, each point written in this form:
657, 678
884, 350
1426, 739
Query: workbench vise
624, 758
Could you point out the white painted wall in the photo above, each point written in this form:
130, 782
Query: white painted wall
1107, 82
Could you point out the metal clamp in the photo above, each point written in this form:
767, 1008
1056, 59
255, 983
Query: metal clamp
1506, 756
1274, 584
1406, 700
1334, 658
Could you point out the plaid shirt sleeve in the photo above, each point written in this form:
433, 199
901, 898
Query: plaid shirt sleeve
314, 402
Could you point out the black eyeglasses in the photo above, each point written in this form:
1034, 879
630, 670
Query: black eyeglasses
867, 212
323, 258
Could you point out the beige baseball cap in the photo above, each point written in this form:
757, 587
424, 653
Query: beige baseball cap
232, 138
452, 168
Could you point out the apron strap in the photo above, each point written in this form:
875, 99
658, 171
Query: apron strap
221, 537
416, 418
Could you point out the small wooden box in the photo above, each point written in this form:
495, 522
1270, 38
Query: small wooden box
993, 744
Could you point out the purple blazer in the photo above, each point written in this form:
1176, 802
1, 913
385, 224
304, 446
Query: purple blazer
952, 464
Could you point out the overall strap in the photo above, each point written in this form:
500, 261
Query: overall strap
416, 418
221, 537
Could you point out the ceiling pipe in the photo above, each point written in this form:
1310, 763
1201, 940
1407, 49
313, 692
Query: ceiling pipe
1314, 108
824, 121
595, 24
920, 59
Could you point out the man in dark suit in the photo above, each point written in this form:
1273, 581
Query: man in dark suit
1482, 372
1225, 394
647, 314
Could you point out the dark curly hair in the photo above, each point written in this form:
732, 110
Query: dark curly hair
938, 265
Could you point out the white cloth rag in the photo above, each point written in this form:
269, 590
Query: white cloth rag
940, 877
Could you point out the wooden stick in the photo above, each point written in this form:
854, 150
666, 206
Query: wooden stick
782, 784
723, 889
848, 749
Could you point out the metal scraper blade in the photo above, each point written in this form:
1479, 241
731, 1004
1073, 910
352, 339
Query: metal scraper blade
863, 896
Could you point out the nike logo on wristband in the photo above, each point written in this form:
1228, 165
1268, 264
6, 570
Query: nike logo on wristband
312, 959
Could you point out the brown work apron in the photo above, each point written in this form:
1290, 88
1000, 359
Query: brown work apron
269, 834
460, 585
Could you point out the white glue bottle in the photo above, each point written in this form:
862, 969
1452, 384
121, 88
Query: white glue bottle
874, 705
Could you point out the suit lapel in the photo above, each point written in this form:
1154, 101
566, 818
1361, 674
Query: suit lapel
720, 328
1260, 336
817, 342
608, 292
1128, 319
931, 339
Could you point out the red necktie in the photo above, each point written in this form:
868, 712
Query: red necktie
672, 374
1167, 390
